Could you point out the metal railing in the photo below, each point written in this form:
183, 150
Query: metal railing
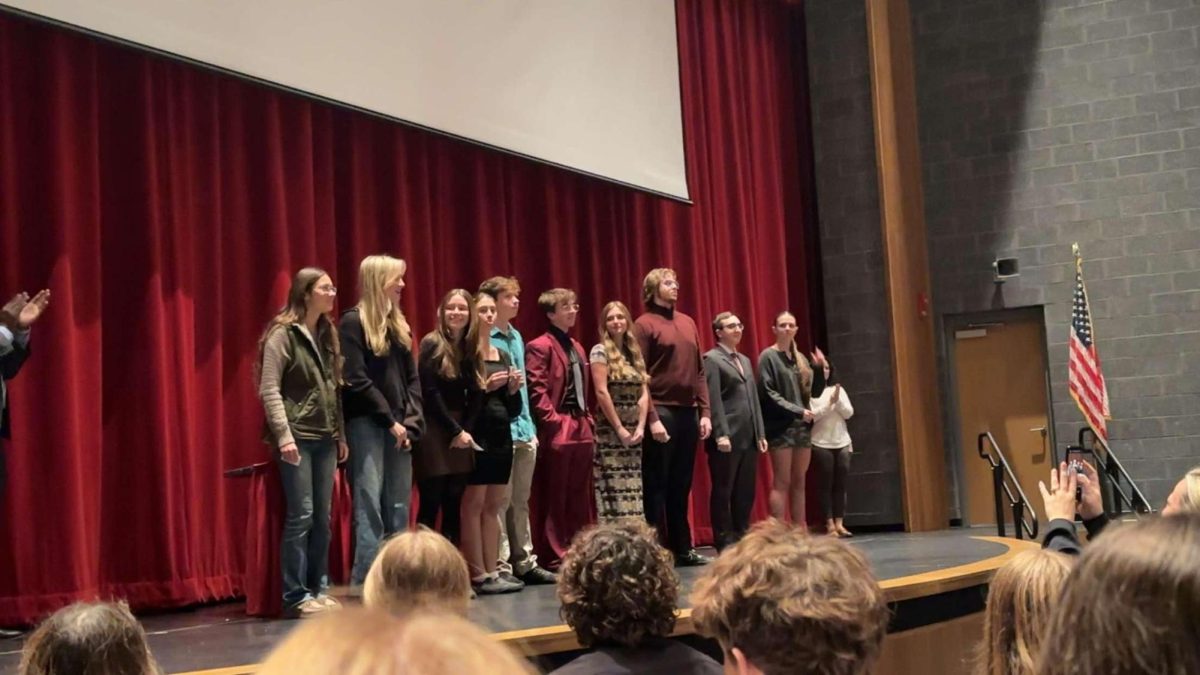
1113, 472
1004, 481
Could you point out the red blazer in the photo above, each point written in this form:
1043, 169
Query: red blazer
547, 369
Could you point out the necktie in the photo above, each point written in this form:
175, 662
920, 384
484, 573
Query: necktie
737, 363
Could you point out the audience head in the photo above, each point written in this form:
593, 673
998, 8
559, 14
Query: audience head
88, 638
660, 286
366, 642
780, 601
1021, 598
418, 569
1131, 604
1185, 498
617, 586
444, 644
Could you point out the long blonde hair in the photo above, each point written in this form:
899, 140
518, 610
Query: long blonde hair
1021, 598
380, 317
418, 569
294, 311
621, 367
358, 641
448, 353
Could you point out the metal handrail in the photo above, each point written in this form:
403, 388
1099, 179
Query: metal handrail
1019, 502
1116, 471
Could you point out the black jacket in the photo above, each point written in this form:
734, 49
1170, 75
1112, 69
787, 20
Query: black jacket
1061, 536
385, 388
10, 365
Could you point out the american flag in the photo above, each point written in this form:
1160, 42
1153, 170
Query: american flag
1085, 380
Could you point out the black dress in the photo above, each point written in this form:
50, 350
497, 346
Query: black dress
492, 430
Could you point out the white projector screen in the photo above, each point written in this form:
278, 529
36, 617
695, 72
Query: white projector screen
590, 85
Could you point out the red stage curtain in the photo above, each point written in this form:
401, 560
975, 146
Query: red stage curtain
167, 207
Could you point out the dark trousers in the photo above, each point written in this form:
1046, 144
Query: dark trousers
442, 494
832, 467
733, 475
667, 475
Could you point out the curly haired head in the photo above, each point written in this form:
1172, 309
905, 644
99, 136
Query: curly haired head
790, 603
617, 585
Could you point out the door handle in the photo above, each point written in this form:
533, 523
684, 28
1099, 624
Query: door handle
1041, 430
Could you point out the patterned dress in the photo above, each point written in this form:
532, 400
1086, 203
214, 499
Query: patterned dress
616, 469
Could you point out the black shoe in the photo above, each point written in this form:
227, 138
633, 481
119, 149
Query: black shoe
539, 576
691, 558
11, 633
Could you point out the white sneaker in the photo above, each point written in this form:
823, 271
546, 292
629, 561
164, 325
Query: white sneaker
329, 602
308, 609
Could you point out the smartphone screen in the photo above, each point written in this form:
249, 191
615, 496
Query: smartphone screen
1076, 457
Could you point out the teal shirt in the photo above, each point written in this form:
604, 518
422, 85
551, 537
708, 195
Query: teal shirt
512, 344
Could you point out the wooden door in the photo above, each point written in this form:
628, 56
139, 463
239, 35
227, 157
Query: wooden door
1000, 376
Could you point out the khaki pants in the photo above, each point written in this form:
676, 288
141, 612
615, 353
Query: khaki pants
516, 544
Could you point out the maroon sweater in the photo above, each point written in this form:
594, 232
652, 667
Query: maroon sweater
671, 346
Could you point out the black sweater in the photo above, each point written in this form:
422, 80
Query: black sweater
385, 388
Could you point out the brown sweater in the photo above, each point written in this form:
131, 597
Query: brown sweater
671, 346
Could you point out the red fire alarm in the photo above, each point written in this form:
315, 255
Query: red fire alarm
922, 305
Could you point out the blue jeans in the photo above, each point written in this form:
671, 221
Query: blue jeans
308, 489
381, 475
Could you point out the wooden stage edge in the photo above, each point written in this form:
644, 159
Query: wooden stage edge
560, 638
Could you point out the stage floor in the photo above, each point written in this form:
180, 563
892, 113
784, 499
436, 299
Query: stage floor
222, 636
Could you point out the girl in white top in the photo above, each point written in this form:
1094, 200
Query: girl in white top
831, 450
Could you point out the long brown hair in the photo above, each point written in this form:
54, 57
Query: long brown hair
294, 311
1021, 598
1131, 604
449, 353
803, 368
97, 638
380, 317
478, 337
625, 361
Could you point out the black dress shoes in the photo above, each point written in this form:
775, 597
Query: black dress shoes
539, 576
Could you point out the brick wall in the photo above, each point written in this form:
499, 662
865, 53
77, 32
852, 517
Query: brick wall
1042, 124
851, 250
1064, 121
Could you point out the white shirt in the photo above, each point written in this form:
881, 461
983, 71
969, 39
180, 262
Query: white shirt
829, 426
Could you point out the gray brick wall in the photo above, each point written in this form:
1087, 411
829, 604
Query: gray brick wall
1042, 123
1048, 123
851, 250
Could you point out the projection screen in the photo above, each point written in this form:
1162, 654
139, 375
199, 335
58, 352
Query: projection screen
590, 85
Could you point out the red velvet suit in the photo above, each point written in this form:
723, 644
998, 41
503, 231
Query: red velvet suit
562, 501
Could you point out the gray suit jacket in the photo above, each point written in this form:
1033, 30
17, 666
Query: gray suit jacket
733, 396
